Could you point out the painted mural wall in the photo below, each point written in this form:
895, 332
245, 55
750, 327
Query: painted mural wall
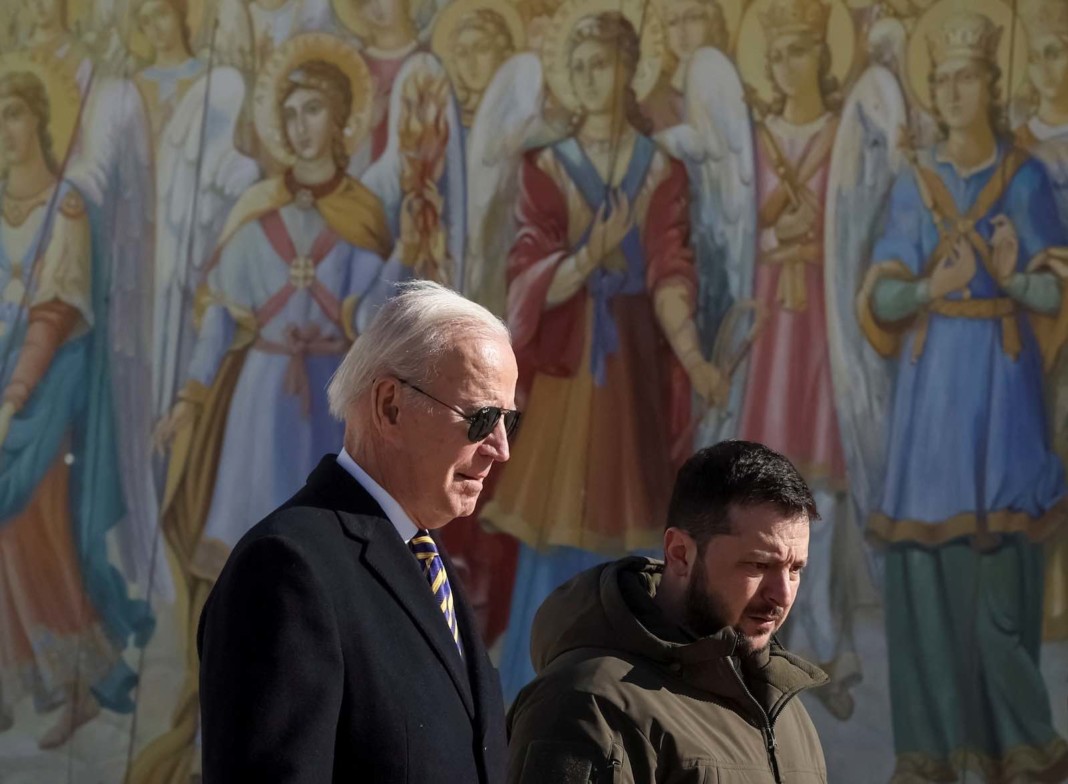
837, 228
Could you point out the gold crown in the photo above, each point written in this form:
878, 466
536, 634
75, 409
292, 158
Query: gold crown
795, 16
1045, 17
965, 35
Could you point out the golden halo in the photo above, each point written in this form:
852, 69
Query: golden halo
64, 97
292, 55
453, 14
732, 16
554, 54
919, 57
752, 58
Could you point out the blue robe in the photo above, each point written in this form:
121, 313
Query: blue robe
970, 477
965, 412
72, 405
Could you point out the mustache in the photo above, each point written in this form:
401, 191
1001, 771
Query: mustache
773, 611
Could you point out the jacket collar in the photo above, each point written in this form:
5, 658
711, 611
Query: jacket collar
711, 664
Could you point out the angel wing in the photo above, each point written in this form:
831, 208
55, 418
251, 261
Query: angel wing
420, 175
888, 47
865, 162
112, 167
203, 174
509, 120
716, 144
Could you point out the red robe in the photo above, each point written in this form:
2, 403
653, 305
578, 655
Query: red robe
594, 464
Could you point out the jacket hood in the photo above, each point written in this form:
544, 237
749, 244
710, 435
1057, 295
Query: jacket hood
597, 609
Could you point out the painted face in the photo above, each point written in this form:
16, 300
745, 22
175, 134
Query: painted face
382, 14
795, 64
689, 26
18, 130
45, 13
308, 123
1048, 66
748, 579
962, 92
161, 25
444, 472
476, 56
596, 76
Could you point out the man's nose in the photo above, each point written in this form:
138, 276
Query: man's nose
777, 587
496, 443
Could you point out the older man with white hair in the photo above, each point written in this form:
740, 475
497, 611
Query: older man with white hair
337, 645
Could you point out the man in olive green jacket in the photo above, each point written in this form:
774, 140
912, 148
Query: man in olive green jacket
651, 671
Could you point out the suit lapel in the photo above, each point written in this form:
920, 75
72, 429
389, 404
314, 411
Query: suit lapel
484, 677
394, 565
388, 558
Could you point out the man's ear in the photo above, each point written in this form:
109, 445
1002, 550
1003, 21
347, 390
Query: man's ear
680, 552
385, 405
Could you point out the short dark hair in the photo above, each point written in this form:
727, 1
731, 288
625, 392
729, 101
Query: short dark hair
733, 474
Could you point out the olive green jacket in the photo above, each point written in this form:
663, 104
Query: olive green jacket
615, 700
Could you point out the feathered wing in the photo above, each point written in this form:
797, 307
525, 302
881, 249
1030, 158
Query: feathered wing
865, 162
716, 144
420, 175
202, 176
112, 167
508, 121
888, 47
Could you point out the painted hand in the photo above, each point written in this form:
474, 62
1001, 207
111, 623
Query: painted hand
1006, 245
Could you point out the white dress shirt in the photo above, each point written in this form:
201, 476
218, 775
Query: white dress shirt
404, 525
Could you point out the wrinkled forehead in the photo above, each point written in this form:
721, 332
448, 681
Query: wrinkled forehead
476, 365
761, 521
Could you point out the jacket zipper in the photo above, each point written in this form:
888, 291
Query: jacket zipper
769, 742
767, 730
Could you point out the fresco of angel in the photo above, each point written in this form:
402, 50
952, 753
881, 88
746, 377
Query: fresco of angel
416, 149
159, 33
297, 273
601, 296
514, 114
762, 150
689, 26
962, 303
44, 27
65, 613
473, 38
1044, 133
196, 108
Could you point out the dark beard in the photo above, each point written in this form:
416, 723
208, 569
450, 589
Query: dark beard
704, 612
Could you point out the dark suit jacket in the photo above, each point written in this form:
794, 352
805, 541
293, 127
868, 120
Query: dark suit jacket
324, 656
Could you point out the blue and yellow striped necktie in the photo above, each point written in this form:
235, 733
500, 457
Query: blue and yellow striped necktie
434, 570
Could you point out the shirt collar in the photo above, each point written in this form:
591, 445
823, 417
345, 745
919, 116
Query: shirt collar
404, 525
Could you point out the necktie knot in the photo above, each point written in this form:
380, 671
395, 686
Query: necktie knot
426, 552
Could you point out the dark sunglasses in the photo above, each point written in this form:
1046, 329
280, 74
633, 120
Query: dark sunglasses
482, 422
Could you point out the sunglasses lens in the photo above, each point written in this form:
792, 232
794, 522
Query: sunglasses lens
482, 423
511, 422
485, 419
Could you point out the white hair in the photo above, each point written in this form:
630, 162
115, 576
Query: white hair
407, 336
